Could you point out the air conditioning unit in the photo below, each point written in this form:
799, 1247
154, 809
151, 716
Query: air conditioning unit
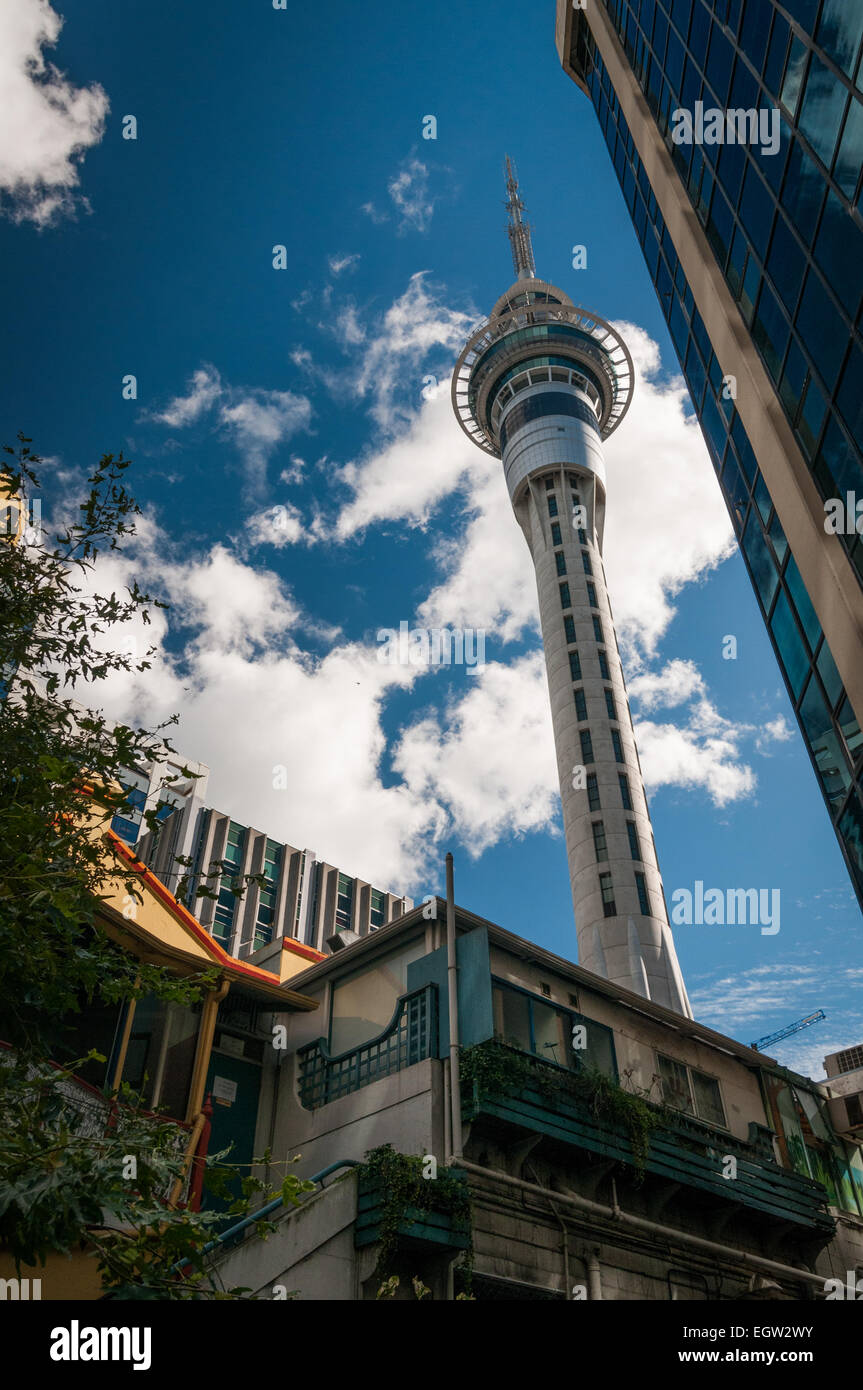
340, 939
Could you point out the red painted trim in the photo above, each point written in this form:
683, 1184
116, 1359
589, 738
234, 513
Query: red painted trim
290, 943
192, 925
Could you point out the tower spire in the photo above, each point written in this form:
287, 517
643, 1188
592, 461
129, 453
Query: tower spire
517, 229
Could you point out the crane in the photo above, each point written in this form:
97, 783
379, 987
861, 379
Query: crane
786, 1032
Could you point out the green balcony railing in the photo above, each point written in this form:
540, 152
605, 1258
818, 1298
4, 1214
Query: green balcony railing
680, 1149
410, 1037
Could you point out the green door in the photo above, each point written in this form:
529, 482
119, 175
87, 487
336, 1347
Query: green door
233, 1085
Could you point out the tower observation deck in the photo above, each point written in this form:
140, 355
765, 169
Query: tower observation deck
540, 384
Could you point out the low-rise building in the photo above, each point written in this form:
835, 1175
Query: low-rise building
610, 1147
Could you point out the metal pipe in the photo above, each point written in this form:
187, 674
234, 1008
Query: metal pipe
263, 1212
594, 1277
191, 1146
641, 1223
452, 983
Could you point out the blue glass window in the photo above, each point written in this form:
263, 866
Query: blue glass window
719, 59
770, 331
641, 885
839, 252
617, 746
586, 746
790, 93
603, 665
565, 600
756, 208
803, 603
821, 329
792, 652
761, 563
569, 628
822, 110
574, 666
634, 846
580, 705
811, 418
803, 192
560, 561
850, 157
625, 798
849, 397
794, 373
786, 264
839, 30
774, 68
829, 675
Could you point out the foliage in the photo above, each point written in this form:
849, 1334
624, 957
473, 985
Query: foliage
492, 1067
66, 1177
399, 1179
61, 768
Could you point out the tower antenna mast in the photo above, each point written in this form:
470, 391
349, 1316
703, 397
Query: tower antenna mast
517, 229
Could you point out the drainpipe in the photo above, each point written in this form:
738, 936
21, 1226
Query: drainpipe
640, 1223
452, 982
594, 1276
560, 1221
120, 1063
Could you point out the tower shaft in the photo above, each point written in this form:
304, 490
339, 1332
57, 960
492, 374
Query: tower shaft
540, 385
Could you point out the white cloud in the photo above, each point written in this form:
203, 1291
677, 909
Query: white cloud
666, 523
46, 123
205, 388
673, 685
279, 526
256, 420
409, 192
492, 763
377, 217
338, 264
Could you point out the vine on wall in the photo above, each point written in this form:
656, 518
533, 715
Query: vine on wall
399, 1179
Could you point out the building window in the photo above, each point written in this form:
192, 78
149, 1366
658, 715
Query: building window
560, 561
607, 889
585, 560
555, 533
634, 846
580, 705
223, 917
691, 1091
344, 902
643, 901
545, 1030
603, 666
592, 792
623, 782
549, 482
552, 505
597, 629
609, 703
617, 746
586, 746
591, 594
565, 600
233, 851
582, 535
569, 628
600, 844
377, 913
574, 666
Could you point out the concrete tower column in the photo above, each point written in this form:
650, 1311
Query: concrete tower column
540, 385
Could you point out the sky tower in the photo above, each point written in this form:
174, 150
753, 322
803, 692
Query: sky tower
540, 384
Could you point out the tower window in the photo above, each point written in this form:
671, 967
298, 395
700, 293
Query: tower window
575, 666
377, 913
597, 629
585, 560
618, 746
623, 781
591, 595
344, 901
555, 533
552, 505
606, 887
565, 600
609, 703
634, 846
560, 561
582, 536
599, 841
643, 901
592, 792
580, 705
603, 667
569, 629
586, 746
549, 482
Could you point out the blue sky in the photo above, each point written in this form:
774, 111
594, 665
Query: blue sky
305, 485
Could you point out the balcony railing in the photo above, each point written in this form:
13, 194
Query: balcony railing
410, 1037
680, 1150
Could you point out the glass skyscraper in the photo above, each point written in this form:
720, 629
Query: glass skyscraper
756, 252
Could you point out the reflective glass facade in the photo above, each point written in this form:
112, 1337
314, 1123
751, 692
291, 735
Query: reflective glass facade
787, 233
